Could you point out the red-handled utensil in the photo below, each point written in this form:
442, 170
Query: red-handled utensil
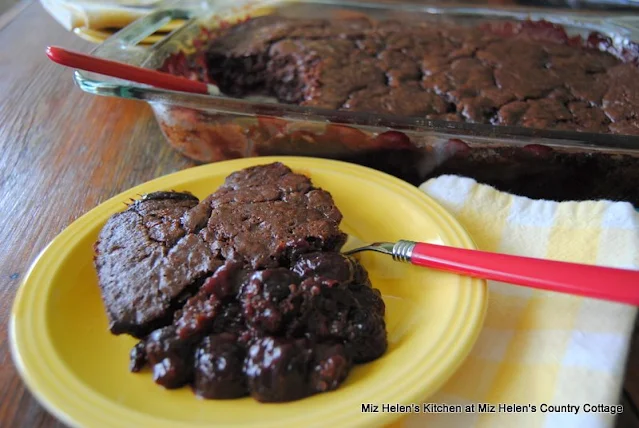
119, 70
619, 285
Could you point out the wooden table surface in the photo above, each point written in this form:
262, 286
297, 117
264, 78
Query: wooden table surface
62, 152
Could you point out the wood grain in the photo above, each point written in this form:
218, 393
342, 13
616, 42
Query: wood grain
631, 384
5, 5
62, 152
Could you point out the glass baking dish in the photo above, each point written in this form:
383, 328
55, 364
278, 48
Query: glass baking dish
617, 5
537, 163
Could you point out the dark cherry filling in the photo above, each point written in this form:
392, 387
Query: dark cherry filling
277, 334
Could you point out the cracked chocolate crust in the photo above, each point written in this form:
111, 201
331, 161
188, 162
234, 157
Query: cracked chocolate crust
153, 256
525, 74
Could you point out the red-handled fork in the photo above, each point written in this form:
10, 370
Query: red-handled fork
619, 285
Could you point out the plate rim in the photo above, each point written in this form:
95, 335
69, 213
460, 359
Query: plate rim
470, 329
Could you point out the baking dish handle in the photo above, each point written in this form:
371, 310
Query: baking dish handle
165, 12
123, 45
134, 33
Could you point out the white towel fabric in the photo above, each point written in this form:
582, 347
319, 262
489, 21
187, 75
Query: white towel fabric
540, 348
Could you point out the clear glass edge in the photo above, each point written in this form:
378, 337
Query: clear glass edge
122, 46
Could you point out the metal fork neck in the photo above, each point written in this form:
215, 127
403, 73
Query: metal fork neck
403, 251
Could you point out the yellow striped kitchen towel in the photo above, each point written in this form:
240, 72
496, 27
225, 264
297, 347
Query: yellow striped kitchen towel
541, 349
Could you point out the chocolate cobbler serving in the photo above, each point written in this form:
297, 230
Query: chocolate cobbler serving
529, 74
242, 293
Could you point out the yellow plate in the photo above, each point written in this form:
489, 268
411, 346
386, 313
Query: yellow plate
79, 371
